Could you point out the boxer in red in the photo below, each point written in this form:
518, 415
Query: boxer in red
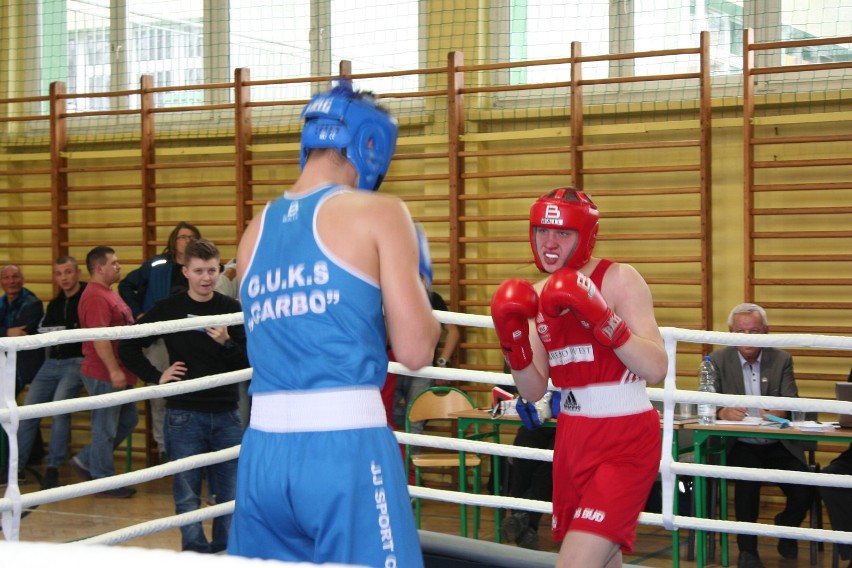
589, 326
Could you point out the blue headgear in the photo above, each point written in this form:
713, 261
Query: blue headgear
355, 126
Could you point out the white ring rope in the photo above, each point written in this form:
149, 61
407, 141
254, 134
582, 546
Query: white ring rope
122, 397
16, 502
123, 479
766, 475
160, 525
53, 554
10, 415
474, 446
96, 333
468, 375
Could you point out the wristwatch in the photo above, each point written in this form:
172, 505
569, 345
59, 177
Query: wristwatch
441, 362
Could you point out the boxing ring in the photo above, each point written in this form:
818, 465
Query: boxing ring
453, 551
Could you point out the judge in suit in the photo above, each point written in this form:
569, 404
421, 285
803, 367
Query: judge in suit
760, 372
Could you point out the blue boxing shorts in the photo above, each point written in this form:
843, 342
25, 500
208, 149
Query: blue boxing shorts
337, 496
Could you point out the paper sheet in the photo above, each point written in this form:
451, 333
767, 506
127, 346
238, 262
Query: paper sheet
813, 426
747, 421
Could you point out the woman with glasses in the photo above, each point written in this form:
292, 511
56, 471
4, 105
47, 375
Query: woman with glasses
161, 276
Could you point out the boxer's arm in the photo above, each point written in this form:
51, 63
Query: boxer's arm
413, 330
628, 295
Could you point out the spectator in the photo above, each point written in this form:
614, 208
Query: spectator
20, 313
59, 376
227, 285
161, 276
203, 421
103, 372
760, 371
158, 278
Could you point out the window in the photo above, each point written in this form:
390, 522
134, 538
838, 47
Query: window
389, 43
171, 40
543, 29
207, 39
272, 39
819, 19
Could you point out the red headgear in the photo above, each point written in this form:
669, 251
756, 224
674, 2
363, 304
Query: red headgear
566, 208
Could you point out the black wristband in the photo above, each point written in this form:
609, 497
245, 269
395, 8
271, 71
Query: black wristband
229, 344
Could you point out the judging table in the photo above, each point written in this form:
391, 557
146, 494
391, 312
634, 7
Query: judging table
479, 417
703, 433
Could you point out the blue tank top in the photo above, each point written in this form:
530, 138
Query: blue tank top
311, 321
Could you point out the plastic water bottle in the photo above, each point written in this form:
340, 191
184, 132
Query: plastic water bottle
706, 383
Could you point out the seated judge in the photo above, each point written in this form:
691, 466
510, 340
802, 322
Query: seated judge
760, 371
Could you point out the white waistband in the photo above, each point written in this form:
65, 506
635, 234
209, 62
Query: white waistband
604, 400
318, 411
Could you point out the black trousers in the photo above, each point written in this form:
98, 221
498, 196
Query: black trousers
838, 501
532, 479
747, 493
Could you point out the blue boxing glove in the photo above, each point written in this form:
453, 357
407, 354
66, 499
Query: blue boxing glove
528, 413
533, 414
555, 403
425, 257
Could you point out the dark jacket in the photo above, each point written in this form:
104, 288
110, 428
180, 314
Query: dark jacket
62, 313
148, 284
776, 379
26, 310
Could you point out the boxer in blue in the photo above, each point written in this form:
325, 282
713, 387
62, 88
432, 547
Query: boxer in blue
327, 274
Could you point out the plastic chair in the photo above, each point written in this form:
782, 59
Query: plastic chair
433, 404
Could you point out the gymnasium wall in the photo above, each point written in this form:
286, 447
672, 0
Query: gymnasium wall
671, 176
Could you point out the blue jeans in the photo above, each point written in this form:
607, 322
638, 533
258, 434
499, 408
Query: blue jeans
58, 379
191, 433
110, 427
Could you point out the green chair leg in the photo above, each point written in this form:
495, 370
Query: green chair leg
477, 486
417, 499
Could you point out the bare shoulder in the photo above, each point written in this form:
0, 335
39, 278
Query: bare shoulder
626, 290
366, 216
359, 227
371, 205
620, 274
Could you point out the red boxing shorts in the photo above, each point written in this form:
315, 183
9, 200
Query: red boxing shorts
603, 470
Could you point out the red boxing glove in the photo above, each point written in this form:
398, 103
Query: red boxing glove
572, 290
512, 305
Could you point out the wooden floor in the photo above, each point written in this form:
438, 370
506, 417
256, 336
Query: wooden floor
88, 516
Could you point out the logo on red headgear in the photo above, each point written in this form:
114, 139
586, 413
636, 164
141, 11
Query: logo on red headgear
552, 215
